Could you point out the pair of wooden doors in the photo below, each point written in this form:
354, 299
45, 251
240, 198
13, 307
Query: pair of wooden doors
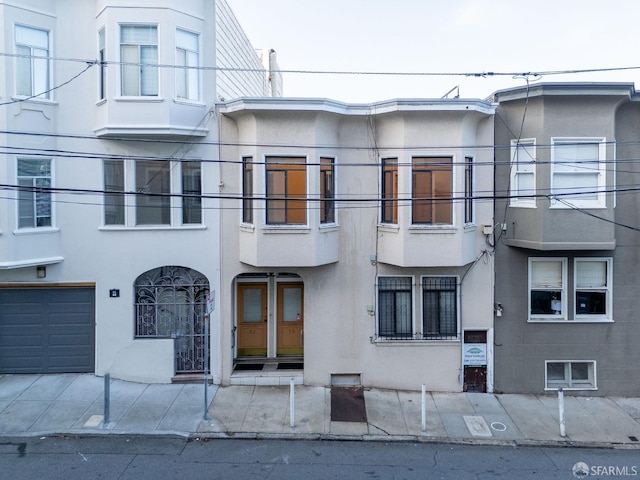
255, 319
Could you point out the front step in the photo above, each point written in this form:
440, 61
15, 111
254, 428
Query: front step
272, 371
188, 378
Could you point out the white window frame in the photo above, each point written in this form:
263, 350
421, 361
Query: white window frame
469, 208
522, 168
569, 383
34, 195
577, 169
562, 316
139, 62
39, 51
607, 289
102, 58
176, 204
187, 63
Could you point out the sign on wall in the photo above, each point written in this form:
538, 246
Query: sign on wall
474, 354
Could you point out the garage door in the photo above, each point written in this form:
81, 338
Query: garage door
47, 330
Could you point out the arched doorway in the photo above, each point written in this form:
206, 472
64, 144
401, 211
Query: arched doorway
170, 302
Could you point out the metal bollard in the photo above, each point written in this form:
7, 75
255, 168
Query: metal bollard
107, 397
563, 432
424, 407
292, 403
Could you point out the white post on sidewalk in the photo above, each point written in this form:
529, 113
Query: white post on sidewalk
563, 432
424, 407
292, 404
107, 398
205, 375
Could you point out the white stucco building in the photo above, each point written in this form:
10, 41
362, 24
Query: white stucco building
341, 243
109, 239
356, 243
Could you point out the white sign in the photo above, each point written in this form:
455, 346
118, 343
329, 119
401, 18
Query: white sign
211, 302
475, 354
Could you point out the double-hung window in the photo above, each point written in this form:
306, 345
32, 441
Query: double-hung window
286, 190
522, 183
139, 57
591, 290
153, 190
439, 308
468, 190
34, 193
572, 375
247, 190
578, 172
187, 62
191, 179
161, 188
102, 59
431, 188
395, 315
389, 192
593, 295
32, 62
327, 190
547, 288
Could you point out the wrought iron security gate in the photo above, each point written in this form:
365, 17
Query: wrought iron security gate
171, 303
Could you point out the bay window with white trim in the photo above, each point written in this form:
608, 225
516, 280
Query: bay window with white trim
578, 172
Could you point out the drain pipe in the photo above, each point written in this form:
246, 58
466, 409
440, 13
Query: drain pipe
292, 403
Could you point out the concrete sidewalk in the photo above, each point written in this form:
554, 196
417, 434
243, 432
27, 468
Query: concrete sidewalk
74, 405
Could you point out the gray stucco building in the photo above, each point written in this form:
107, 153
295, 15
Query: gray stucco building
567, 239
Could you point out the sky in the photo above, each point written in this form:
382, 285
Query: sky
441, 36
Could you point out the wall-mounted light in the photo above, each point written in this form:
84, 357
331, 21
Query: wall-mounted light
373, 259
499, 309
370, 310
41, 271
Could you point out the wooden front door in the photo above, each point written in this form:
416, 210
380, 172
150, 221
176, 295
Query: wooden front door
252, 319
290, 319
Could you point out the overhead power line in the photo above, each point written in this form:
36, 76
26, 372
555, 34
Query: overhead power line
482, 74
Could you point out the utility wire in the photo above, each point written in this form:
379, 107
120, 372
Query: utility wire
483, 74
19, 100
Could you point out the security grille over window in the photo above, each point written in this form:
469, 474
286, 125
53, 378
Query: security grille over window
170, 302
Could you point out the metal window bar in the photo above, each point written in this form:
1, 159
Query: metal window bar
394, 308
439, 308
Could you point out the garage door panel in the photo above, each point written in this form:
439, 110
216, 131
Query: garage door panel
47, 330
